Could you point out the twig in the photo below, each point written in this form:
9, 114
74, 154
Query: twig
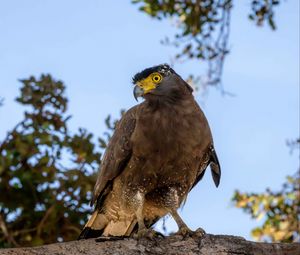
6, 233
48, 212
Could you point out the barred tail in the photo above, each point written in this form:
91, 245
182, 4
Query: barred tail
99, 225
94, 227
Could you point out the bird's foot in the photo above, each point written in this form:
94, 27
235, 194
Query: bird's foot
186, 232
200, 232
147, 233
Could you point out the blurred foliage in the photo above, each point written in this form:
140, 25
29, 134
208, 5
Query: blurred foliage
203, 29
263, 11
279, 210
46, 173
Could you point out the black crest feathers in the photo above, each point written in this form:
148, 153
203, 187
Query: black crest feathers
163, 69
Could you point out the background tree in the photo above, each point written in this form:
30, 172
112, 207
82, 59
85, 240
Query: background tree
280, 210
203, 29
46, 173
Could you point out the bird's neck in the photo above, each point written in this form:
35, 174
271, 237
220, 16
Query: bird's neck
175, 97
156, 102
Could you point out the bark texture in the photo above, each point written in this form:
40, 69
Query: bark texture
173, 245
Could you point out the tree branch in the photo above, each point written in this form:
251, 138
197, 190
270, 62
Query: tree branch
6, 233
209, 244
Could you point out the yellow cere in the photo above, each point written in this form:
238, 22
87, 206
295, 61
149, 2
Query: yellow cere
150, 82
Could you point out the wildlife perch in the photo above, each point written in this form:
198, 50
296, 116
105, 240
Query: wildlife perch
157, 154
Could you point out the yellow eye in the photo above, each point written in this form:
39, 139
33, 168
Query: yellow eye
156, 77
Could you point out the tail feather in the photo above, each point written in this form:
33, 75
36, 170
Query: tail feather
87, 232
99, 225
119, 228
94, 227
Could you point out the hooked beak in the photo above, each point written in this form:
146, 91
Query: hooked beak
138, 92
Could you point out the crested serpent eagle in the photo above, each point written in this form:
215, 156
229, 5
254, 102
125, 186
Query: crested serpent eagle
157, 154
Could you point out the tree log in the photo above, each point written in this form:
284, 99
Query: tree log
209, 244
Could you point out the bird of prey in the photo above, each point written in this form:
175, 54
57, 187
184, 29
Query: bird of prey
157, 154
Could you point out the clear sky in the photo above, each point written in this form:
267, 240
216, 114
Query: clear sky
95, 47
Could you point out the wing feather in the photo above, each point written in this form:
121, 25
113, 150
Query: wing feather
117, 155
211, 160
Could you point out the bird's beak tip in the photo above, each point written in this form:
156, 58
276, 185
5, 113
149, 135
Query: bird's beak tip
138, 92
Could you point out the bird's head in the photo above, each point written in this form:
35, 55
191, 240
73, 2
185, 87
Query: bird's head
160, 81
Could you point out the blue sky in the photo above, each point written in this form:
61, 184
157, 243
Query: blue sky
95, 47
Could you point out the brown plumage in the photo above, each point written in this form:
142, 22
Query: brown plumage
158, 153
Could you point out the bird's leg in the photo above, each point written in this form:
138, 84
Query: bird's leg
183, 229
142, 229
140, 199
172, 201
